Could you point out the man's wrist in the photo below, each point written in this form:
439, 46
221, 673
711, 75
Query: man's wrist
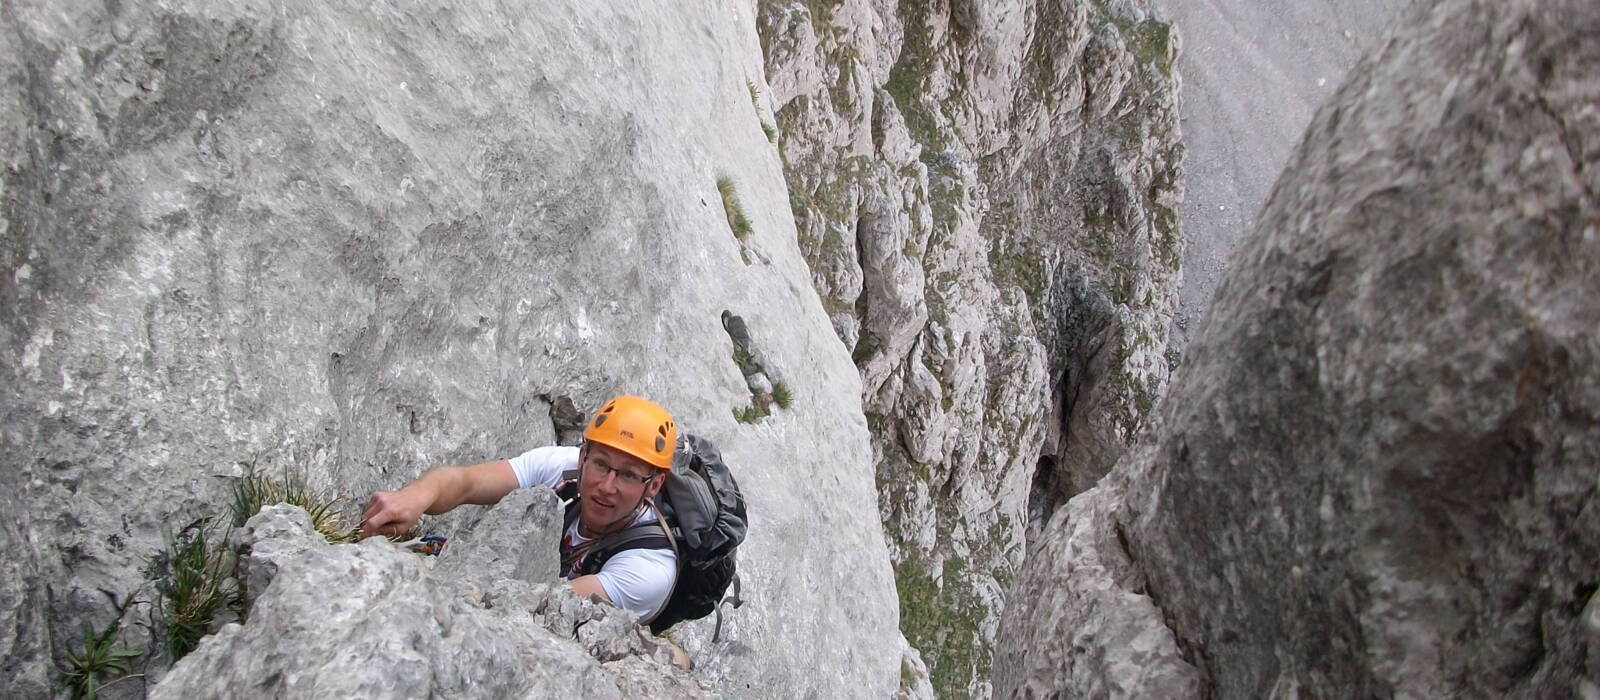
423, 493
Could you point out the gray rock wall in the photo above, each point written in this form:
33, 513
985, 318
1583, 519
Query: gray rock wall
985, 193
363, 241
1374, 473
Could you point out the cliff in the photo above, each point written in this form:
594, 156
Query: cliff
359, 242
1373, 475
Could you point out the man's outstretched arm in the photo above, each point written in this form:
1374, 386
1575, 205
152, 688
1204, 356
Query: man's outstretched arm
589, 587
438, 491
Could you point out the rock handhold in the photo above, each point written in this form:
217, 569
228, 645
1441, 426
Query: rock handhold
516, 539
275, 535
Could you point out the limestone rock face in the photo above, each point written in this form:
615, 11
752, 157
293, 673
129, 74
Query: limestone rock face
1374, 473
371, 620
523, 540
275, 535
362, 241
984, 192
1091, 627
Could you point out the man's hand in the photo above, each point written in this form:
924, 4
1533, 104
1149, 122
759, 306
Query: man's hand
393, 512
438, 491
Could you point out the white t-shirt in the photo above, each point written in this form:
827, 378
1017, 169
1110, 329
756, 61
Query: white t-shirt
637, 580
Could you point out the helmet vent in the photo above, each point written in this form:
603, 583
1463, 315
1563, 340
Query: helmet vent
636, 426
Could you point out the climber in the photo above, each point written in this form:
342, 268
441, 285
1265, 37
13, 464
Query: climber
626, 454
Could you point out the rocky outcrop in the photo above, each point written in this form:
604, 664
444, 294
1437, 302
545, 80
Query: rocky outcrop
1374, 473
358, 242
985, 194
1082, 623
511, 540
371, 620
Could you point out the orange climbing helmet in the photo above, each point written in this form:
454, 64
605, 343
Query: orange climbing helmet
637, 426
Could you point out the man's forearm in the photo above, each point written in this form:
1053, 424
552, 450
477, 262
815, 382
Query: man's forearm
439, 490
478, 484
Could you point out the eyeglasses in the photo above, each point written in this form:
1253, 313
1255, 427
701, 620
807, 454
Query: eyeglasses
630, 478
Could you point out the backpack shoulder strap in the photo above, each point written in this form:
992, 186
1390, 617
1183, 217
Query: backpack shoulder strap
641, 537
656, 535
567, 491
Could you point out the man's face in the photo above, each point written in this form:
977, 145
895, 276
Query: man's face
612, 484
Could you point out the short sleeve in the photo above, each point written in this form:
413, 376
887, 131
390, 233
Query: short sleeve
543, 466
640, 580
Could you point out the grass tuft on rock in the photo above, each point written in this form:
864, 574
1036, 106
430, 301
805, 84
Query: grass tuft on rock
256, 490
198, 586
782, 396
755, 101
750, 414
737, 221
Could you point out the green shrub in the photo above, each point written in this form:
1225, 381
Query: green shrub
745, 361
781, 395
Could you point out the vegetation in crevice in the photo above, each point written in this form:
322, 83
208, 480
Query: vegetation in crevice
1131, 416
1016, 259
196, 583
767, 127
820, 11
1039, 77
825, 202
941, 614
194, 576
751, 413
97, 663
737, 221
766, 395
908, 78
255, 490
1151, 43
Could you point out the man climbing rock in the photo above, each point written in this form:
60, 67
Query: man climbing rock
623, 462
